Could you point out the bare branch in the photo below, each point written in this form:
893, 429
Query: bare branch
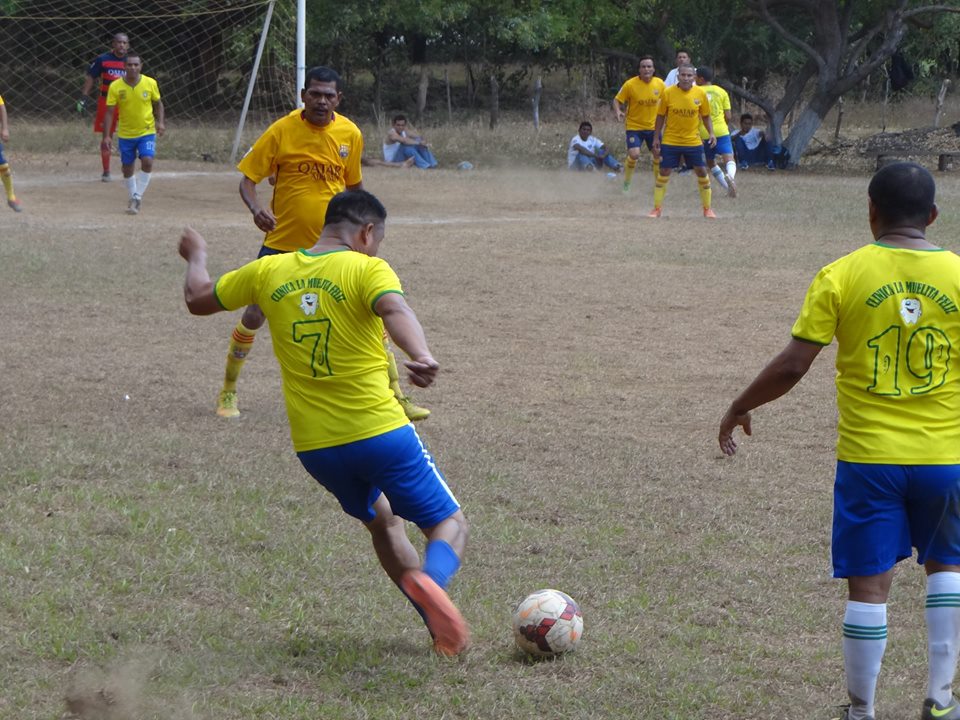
913, 12
750, 97
764, 10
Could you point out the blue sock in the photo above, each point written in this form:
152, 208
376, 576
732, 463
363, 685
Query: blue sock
440, 562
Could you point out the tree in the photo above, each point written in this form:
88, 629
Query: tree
841, 43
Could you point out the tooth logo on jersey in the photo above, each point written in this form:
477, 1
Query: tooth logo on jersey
344, 151
910, 310
308, 303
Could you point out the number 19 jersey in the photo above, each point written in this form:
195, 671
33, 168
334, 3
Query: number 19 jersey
895, 316
327, 339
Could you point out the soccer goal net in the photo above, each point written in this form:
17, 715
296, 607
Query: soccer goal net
201, 52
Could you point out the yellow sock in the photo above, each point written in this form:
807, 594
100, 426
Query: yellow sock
628, 172
7, 178
656, 169
660, 189
705, 191
240, 343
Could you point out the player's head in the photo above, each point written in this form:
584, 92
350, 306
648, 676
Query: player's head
120, 44
683, 57
704, 74
685, 76
132, 65
320, 95
585, 130
358, 216
322, 74
902, 194
645, 67
746, 122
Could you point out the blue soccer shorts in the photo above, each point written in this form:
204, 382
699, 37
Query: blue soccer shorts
131, 148
636, 139
3, 160
267, 251
670, 156
395, 463
723, 146
881, 512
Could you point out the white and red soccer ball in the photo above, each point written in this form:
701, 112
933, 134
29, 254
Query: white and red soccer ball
547, 623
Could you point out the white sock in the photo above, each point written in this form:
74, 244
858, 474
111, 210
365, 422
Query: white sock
131, 183
943, 634
731, 169
143, 179
718, 174
864, 641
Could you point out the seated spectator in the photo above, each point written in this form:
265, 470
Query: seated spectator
404, 143
750, 145
587, 152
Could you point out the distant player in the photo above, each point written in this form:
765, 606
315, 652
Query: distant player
136, 98
682, 58
720, 115
328, 307
893, 308
311, 155
106, 68
6, 176
639, 97
679, 115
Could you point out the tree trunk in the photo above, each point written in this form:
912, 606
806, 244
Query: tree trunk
422, 87
446, 81
537, 91
494, 101
806, 126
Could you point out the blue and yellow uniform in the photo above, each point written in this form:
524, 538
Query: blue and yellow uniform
137, 130
719, 101
311, 165
895, 316
6, 176
641, 99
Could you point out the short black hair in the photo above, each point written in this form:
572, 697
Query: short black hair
131, 53
746, 116
321, 74
903, 192
706, 72
645, 57
355, 206
684, 51
397, 118
585, 123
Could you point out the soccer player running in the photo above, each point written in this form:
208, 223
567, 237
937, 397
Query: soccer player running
106, 68
310, 155
681, 110
637, 101
328, 307
136, 98
720, 115
892, 306
6, 176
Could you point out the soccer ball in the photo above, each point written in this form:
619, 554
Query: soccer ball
547, 623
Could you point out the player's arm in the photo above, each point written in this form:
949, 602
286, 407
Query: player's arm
708, 124
158, 115
4, 126
776, 379
406, 332
263, 217
619, 108
85, 91
107, 138
198, 288
658, 133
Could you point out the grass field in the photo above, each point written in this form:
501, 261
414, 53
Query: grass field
159, 562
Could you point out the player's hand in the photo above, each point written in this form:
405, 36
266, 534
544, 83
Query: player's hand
422, 371
728, 424
4, 136
712, 140
161, 129
192, 244
106, 143
264, 220
82, 104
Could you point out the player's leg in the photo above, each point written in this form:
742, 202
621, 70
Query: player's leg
669, 161
648, 136
6, 177
128, 159
713, 167
871, 534
730, 166
241, 342
147, 149
633, 154
98, 129
935, 532
695, 159
412, 411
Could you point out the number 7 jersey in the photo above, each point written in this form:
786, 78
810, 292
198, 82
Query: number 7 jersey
894, 314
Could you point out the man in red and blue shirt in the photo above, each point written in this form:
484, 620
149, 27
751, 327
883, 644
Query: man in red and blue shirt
107, 67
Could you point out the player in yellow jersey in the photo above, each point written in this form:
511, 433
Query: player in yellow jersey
6, 176
636, 105
893, 308
310, 155
137, 98
328, 307
720, 115
682, 108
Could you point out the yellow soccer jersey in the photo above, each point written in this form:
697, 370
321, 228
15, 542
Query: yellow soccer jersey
135, 105
1, 100
719, 104
894, 314
327, 339
311, 164
682, 112
641, 99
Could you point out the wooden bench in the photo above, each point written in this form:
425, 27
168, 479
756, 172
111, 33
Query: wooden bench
885, 157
